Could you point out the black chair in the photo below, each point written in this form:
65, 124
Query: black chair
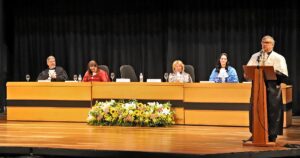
190, 70
105, 68
127, 71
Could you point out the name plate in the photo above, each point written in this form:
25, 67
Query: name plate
153, 80
122, 80
207, 82
70, 81
44, 80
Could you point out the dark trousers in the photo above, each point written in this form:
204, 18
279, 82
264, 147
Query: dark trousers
274, 109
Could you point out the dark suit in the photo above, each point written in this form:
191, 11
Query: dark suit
61, 74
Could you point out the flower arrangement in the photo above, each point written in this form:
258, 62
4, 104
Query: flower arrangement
131, 113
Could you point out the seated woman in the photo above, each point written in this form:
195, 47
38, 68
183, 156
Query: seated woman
94, 73
178, 74
223, 72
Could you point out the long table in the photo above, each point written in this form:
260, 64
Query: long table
52, 101
226, 104
193, 103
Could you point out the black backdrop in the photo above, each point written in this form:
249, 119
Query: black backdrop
146, 34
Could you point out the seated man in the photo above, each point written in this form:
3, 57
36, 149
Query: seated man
53, 73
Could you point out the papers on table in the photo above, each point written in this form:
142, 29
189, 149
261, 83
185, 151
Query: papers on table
153, 80
207, 82
44, 80
122, 80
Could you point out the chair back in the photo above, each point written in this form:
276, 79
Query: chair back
127, 71
105, 68
190, 70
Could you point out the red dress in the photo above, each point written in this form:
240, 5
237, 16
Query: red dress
100, 76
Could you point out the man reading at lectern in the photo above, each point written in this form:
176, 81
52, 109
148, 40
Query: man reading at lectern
267, 57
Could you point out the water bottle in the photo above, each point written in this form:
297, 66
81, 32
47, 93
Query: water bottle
79, 78
141, 77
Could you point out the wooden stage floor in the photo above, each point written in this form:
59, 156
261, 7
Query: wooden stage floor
80, 139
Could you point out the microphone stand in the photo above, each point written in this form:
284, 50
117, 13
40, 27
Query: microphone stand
260, 58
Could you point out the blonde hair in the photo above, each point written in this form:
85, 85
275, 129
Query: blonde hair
178, 62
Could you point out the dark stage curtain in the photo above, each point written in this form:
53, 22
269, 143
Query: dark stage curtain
3, 74
149, 35
3, 60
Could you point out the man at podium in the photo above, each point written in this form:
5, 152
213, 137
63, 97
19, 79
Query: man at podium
268, 57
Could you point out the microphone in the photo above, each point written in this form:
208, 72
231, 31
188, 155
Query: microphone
259, 58
263, 58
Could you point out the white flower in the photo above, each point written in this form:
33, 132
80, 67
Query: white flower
112, 102
151, 103
130, 111
129, 106
105, 106
165, 111
159, 105
90, 118
100, 103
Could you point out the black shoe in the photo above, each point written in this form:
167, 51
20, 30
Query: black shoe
272, 138
248, 140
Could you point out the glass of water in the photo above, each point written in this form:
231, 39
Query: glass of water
75, 77
27, 77
166, 76
112, 76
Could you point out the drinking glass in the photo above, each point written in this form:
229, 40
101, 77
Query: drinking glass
166, 76
75, 77
27, 77
112, 76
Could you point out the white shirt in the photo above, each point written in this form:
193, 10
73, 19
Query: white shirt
274, 59
223, 73
50, 73
180, 77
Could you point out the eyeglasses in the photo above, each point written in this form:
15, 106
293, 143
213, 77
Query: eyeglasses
51, 61
266, 42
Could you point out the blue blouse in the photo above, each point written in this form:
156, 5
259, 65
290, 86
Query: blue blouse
232, 76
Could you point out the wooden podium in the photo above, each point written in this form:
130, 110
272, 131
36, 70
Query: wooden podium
259, 74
